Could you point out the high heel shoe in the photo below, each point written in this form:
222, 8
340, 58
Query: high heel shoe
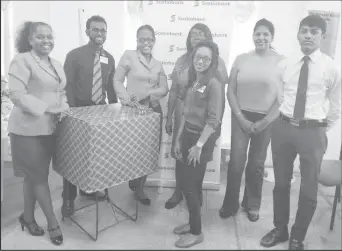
56, 235
32, 227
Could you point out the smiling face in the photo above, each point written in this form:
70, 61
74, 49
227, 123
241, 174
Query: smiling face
42, 40
202, 59
145, 41
309, 38
97, 32
262, 38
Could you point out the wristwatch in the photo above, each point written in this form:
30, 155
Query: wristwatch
199, 144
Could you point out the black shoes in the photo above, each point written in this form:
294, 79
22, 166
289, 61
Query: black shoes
252, 216
67, 208
224, 214
295, 244
32, 227
274, 237
56, 236
172, 203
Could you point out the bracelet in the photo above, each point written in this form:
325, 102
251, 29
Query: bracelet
199, 144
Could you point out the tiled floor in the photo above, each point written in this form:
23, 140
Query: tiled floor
153, 229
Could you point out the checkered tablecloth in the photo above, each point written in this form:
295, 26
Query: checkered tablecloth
103, 146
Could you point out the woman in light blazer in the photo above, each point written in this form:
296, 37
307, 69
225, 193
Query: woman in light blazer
36, 84
146, 84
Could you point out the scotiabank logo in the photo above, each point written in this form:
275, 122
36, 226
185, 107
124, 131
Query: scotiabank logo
173, 48
211, 3
168, 33
219, 35
168, 63
165, 2
175, 18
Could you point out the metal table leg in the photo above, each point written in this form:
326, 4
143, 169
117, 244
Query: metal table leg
106, 199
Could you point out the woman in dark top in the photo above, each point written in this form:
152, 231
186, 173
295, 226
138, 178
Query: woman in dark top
180, 76
198, 131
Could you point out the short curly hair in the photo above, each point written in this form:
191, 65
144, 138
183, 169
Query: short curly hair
22, 43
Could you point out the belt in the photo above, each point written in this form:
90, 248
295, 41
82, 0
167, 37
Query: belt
305, 122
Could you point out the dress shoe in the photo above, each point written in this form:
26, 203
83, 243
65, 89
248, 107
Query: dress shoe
32, 227
253, 216
56, 236
182, 229
274, 237
171, 203
189, 240
295, 244
92, 196
67, 208
224, 214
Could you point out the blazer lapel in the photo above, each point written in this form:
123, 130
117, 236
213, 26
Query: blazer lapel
149, 65
45, 67
59, 70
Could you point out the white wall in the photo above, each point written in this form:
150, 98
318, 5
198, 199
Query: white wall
63, 16
286, 15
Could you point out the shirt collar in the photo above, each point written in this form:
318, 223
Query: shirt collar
313, 56
94, 48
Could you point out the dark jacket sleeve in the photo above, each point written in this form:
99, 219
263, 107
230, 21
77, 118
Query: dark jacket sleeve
70, 73
111, 95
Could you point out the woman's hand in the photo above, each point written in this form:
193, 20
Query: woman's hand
246, 126
177, 150
168, 126
260, 126
194, 155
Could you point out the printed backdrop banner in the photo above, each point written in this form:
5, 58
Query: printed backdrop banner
172, 21
332, 19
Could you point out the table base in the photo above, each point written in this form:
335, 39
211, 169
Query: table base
113, 206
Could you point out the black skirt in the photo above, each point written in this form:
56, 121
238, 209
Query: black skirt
31, 156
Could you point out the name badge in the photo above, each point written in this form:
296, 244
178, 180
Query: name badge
103, 60
201, 90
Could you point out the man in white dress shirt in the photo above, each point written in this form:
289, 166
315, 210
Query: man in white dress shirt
308, 81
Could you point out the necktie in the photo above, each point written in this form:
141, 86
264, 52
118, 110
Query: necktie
97, 80
299, 109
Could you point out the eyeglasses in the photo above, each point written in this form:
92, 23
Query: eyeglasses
96, 30
143, 40
205, 59
197, 35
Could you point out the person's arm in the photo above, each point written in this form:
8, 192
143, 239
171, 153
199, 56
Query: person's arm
163, 88
334, 97
110, 86
19, 75
232, 100
70, 70
215, 111
119, 79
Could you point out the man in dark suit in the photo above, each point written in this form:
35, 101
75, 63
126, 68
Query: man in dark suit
89, 70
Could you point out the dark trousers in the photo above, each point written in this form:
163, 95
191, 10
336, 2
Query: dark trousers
191, 177
254, 168
310, 144
141, 180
